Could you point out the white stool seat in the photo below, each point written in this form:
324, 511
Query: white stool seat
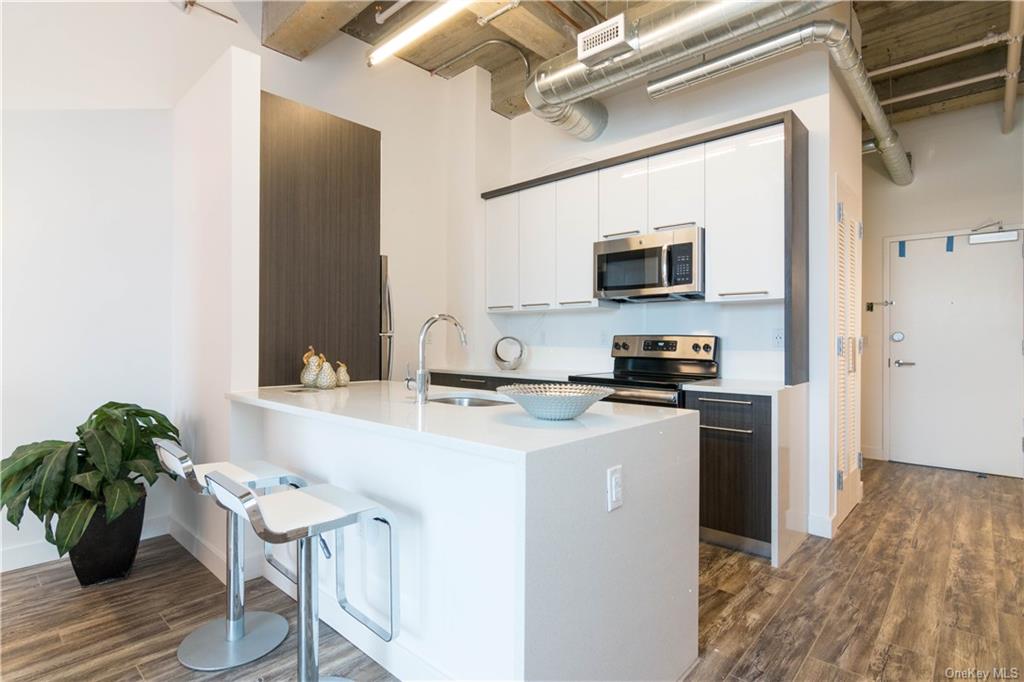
313, 506
253, 473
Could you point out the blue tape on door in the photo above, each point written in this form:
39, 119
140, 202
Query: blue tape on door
949, 245
902, 249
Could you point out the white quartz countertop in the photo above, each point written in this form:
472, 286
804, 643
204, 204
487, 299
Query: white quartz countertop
513, 374
747, 386
386, 406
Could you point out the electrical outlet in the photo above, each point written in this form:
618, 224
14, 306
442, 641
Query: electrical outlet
614, 487
778, 338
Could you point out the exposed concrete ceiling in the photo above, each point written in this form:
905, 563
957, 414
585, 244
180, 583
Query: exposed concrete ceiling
893, 32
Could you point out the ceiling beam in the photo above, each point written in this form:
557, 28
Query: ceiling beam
298, 28
534, 25
954, 104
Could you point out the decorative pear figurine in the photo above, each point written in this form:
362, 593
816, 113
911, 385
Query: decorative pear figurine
313, 363
342, 373
326, 378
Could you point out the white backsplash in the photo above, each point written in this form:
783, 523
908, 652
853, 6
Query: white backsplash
581, 340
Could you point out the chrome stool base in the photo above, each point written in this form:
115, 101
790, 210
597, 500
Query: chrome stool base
206, 648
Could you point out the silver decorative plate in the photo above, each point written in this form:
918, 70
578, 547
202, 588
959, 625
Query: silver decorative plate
555, 401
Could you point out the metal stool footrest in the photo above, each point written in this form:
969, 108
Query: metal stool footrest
388, 632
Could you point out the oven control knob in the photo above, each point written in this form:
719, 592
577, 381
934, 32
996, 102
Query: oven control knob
696, 348
625, 345
617, 346
707, 347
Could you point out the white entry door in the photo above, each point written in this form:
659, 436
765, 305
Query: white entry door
955, 366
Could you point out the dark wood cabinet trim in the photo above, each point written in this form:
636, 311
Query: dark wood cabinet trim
784, 117
797, 362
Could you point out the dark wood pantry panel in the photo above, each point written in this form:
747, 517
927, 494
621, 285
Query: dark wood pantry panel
319, 241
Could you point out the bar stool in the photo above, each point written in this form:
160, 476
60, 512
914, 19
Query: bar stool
300, 516
239, 637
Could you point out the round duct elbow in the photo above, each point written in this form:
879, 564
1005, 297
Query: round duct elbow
585, 120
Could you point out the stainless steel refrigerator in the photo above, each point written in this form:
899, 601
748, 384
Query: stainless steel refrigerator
387, 329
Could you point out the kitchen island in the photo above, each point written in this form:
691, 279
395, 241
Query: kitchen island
511, 564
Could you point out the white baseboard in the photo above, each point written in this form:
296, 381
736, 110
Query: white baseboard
41, 551
874, 453
819, 525
212, 556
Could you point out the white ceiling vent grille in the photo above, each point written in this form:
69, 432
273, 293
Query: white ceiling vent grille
603, 42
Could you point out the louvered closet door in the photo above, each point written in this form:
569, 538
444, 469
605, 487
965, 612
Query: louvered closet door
848, 249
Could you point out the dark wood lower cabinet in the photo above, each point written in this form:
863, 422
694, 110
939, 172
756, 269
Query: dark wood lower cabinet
735, 463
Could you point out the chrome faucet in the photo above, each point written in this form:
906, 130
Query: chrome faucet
422, 378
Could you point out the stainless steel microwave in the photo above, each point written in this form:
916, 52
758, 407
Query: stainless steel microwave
664, 266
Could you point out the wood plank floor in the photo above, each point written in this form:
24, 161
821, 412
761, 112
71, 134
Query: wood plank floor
927, 574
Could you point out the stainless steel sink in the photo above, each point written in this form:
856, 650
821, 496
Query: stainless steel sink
468, 401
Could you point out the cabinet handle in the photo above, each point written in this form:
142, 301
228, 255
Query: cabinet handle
722, 428
535, 305
743, 293
500, 307
621, 234
467, 380
692, 223
728, 402
574, 302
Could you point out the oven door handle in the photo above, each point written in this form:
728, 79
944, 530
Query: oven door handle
649, 395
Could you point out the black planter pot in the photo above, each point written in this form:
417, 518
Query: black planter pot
106, 551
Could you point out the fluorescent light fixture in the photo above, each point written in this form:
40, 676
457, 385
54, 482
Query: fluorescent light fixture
992, 237
426, 23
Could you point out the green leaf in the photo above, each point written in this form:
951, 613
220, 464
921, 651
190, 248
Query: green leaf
48, 524
71, 469
163, 424
149, 470
16, 507
120, 496
12, 485
49, 479
72, 523
90, 480
104, 452
132, 437
27, 456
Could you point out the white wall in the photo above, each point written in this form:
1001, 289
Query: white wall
94, 55
86, 286
68, 71
966, 172
215, 284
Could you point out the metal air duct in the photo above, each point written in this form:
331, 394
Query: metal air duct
836, 37
561, 88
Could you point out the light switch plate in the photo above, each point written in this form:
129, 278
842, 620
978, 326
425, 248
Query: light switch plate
614, 487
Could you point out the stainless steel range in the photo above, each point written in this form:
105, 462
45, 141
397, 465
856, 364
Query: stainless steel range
652, 370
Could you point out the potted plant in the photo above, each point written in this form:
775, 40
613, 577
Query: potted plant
93, 485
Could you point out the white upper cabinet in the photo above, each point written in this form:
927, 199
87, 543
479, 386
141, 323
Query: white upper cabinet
576, 231
537, 258
623, 200
675, 189
502, 249
745, 216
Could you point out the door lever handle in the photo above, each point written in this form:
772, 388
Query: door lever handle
903, 363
